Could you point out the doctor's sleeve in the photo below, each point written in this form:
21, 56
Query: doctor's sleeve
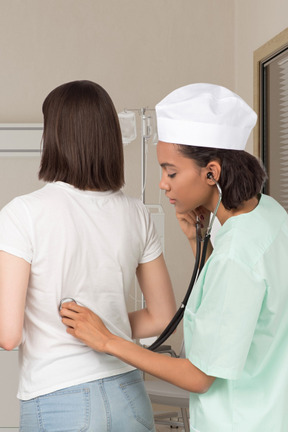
221, 317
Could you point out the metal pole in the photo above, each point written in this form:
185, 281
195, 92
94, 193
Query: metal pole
143, 152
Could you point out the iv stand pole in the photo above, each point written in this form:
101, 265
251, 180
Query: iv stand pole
143, 170
143, 153
145, 134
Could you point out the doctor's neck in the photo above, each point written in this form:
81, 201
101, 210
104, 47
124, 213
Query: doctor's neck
246, 207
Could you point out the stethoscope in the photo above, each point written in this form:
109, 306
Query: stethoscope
199, 263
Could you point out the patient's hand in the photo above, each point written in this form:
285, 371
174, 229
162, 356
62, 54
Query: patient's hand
85, 325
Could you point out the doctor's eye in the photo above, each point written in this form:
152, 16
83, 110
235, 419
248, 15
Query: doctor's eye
171, 175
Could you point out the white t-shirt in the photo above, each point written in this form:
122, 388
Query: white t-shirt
81, 244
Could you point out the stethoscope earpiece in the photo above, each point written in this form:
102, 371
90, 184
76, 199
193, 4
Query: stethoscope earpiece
210, 175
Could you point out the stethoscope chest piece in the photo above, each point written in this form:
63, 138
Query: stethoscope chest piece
66, 300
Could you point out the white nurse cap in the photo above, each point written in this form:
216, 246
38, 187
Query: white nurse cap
205, 115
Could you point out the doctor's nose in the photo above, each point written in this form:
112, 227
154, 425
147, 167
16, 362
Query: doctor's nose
164, 185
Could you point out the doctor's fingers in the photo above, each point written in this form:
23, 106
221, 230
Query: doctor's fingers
76, 320
189, 217
72, 306
80, 314
202, 213
187, 223
88, 328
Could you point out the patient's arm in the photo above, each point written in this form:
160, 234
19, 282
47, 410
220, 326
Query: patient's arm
14, 276
160, 303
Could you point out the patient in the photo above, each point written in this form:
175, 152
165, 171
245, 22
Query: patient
81, 237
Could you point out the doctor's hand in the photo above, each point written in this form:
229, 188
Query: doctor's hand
188, 221
85, 325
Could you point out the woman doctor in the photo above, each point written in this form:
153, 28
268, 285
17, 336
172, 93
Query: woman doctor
236, 321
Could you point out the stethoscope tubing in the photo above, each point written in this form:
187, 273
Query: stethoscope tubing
199, 258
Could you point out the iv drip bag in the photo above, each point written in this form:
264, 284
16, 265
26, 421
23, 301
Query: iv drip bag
128, 126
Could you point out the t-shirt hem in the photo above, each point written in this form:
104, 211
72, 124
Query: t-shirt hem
27, 396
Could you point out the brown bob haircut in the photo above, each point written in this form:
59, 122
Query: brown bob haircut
242, 176
82, 143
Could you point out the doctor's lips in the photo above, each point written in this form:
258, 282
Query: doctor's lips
171, 200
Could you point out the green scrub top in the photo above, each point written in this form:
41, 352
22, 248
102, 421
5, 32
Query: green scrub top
236, 325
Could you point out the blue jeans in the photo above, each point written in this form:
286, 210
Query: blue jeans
115, 404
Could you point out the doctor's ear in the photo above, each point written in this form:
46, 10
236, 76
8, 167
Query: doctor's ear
213, 171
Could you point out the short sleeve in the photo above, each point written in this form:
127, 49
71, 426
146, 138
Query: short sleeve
221, 318
153, 247
16, 230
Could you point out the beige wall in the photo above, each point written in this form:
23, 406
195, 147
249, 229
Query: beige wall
256, 23
138, 50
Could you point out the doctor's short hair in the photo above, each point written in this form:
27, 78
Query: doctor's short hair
242, 175
82, 142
